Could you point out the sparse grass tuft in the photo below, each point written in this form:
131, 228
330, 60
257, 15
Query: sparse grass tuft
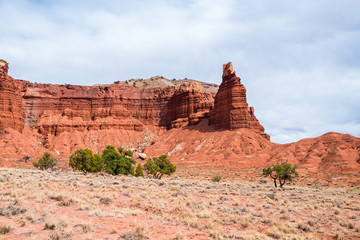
105, 200
86, 227
11, 211
59, 230
49, 225
274, 232
57, 197
216, 178
137, 234
304, 226
179, 236
5, 228
339, 237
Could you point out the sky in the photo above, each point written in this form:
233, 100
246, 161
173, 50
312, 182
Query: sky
299, 60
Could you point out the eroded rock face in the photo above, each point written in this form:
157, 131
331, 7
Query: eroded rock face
10, 101
188, 105
231, 110
189, 123
53, 109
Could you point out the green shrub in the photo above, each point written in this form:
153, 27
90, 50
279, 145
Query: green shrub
139, 171
159, 166
150, 167
216, 178
118, 162
281, 172
128, 153
84, 160
45, 162
121, 150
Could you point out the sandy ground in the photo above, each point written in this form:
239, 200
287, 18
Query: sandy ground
188, 205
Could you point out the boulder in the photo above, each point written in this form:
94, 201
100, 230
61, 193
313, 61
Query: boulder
142, 155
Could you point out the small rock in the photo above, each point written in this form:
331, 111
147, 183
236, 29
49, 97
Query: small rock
271, 196
142, 155
263, 181
222, 198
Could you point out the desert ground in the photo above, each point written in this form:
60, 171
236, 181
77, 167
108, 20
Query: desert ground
38, 204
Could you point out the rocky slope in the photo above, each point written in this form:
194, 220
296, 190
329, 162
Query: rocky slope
198, 124
244, 148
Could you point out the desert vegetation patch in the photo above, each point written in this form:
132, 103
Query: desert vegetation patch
38, 204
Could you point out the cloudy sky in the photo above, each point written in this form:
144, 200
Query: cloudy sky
299, 60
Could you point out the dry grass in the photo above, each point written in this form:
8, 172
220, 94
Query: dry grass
5, 228
98, 206
138, 234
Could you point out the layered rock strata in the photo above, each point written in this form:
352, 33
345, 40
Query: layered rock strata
231, 110
53, 109
11, 114
182, 118
188, 105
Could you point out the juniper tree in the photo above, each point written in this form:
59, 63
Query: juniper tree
139, 171
84, 160
158, 166
281, 172
118, 162
45, 162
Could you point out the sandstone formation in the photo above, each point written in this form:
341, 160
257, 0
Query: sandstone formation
188, 105
57, 108
194, 124
11, 114
54, 110
62, 118
231, 110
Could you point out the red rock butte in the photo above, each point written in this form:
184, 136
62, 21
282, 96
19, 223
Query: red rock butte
196, 123
231, 110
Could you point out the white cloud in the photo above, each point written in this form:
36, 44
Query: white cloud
298, 60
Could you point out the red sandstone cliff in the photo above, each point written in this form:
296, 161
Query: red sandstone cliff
188, 105
231, 110
192, 124
53, 109
10, 101
63, 118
